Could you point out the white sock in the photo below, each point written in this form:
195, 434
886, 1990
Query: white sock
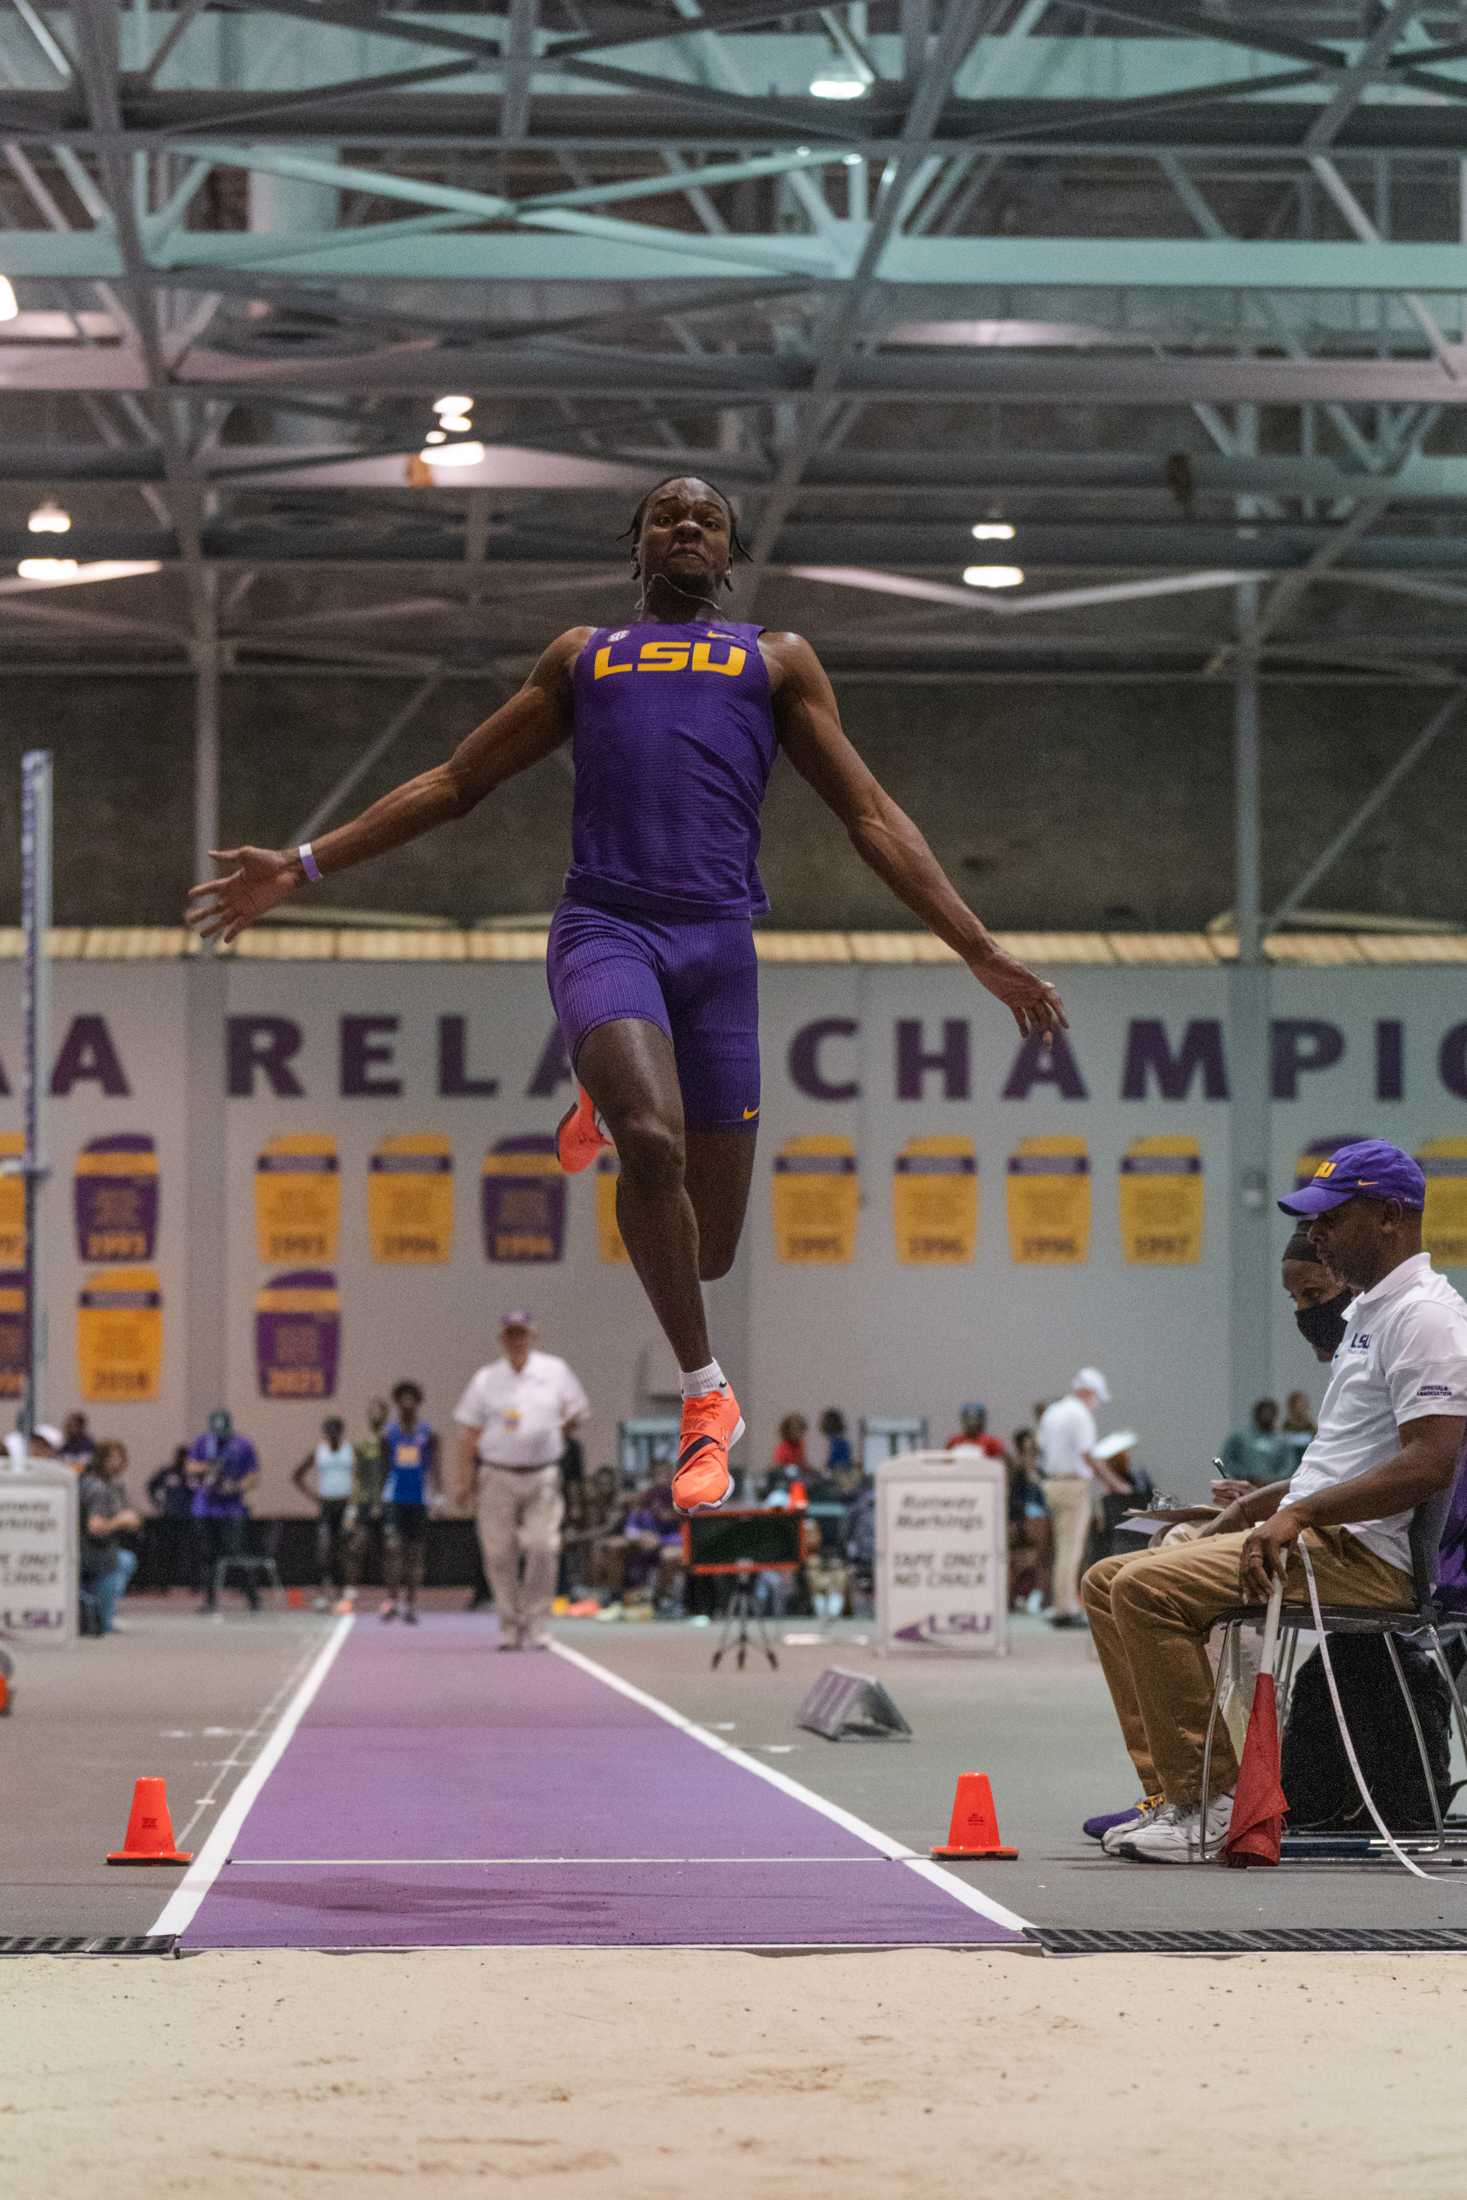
698, 1381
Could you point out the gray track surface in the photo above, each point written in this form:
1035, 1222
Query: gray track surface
91, 1718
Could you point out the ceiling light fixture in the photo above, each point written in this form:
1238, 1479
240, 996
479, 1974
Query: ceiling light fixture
49, 518
993, 530
453, 454
453, 404
435, 435
61, 571
456, 423
8, 307
47, 569
840, 80
994, 576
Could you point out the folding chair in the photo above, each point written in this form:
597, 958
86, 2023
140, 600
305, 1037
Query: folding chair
261, 1568
1427, 1617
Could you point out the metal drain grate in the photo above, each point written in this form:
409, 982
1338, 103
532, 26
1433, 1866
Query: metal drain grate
1059, 1940
88, 1944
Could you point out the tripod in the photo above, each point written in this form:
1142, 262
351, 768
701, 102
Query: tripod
744, 1626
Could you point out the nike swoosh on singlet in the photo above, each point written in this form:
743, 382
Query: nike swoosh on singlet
749, 1114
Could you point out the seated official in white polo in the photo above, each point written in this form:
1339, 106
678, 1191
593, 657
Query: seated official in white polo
1389, 1438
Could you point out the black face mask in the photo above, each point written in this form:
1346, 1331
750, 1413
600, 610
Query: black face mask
1324, 1326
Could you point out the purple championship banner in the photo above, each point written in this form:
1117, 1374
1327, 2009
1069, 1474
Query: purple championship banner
298, 1335
115, 1198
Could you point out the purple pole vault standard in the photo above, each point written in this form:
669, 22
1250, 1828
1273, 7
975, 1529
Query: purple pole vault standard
436, 1797
298, 1335
524, 1200
115, 1198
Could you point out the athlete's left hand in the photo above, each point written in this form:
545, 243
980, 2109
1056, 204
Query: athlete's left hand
1034, 1003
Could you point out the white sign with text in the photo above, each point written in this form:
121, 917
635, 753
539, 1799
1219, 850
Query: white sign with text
38, 1554
942, 1554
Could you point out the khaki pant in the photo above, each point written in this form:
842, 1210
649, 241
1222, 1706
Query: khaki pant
1070, 1499
520, 1517
1150, 1613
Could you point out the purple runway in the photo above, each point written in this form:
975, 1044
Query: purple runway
437, 1795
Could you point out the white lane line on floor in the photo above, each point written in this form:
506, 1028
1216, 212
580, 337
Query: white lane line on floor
178, 1912
895, 1850
432, 1863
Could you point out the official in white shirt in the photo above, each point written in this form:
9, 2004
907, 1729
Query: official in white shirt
1390, 1437
513, 1421
1073, 1477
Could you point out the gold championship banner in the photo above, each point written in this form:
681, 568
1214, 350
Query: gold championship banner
523, 1192
608, 1230
934, 1201
297, 1198
410, 1199
115, 1198
1048, 1185
816, 1196
13, 1328
119, 1337
1162, 1202
12, 1205
298, 1335
1444, 1225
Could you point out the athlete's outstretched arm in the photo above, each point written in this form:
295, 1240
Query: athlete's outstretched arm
808, 720
529, 726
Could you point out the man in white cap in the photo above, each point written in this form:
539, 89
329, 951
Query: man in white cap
513, 1421
1072, 1473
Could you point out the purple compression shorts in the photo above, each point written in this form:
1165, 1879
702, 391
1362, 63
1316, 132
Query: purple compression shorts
696, 978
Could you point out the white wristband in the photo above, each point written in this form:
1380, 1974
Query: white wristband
309, 864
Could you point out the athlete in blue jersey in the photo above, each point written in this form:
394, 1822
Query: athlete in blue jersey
410, 1456
676, 720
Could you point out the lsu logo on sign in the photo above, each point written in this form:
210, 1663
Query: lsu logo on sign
934, 1201
1162, 1200
947, 1627
298, 1335
523, 1200
297, 1198
722, 655
1049, 1201
115, 1198
410, 1199
1444, 1224
817, 1199
119, 1337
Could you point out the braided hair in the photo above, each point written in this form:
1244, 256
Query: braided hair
632, 533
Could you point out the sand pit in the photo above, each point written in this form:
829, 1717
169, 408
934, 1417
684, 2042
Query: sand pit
608, 2075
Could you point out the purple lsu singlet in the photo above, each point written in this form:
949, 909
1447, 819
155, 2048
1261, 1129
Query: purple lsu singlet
674, 743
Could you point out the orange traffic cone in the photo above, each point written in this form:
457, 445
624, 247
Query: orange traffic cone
974, 1828
149, 1836
4, 1693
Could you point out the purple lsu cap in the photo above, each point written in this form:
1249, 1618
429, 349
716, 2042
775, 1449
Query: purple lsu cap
1368, 1169
516, 1318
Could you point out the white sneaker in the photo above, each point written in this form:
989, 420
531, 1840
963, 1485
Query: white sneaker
1147, 1809
1174, 1834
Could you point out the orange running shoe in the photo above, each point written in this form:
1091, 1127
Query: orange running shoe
712, 1425
580, 1136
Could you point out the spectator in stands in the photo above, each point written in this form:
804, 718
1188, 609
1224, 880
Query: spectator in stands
107, 1565
653, 1535
973, 1433
1298, 1430
1030, 1536
78, 1445
838, 1452
327, 1474
170, 1542
789, 1452
1253, 1457
230, 1470
364, 1534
